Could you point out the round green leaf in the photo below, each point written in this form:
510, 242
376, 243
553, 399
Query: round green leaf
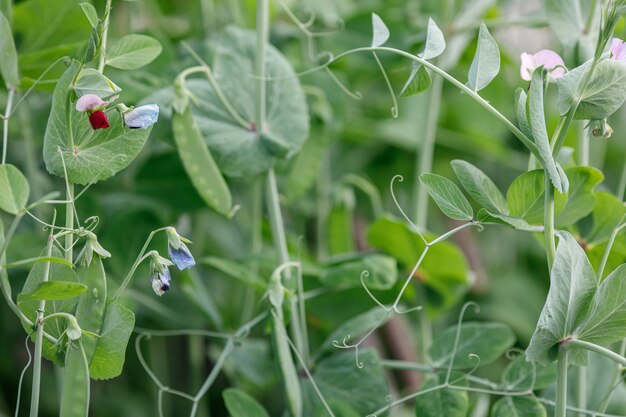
518, 407
14, 189
448, 197
133, 51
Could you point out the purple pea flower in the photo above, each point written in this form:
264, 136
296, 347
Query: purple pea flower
618, 50
160, 273
549, 59
178, 251
139, 117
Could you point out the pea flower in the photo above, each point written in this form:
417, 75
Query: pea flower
94, 106
139, 117
178, 251
549, 59
160, 273
93, 246
618, 50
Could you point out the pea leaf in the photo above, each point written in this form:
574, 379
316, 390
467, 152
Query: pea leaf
91, 304
526, 194
54, 290
199, 163
133, 51
380, 32
91, 81
518, 407
91, 14
565, 19
447, 196
522, 116
488, 341
523, 375
382, 272
14, 189
581, 197
486, 63
356, 327
572, 285
240, 404
97, 154
607, 214
443, 401
479, 186
8, 54
435, 42
419, 80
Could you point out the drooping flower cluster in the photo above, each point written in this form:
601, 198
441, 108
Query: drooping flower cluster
179, 255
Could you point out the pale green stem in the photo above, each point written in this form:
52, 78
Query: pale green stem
607, 250
621, 187
138, 260
598, 349
105, 33
5, 127
425, 154
583, 146
69, 223
34, 399
581, 388
262, 37
561, 383
548, 217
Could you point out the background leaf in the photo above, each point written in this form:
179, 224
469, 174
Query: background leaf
479, 186
486, 63
447, 196
14, 189
133, 51
443, 401
240, 404
518, 407
8, 54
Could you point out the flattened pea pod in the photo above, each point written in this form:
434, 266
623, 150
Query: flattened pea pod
91, 304
75, 393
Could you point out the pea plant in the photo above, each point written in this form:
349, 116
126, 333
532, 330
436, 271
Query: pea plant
312, 289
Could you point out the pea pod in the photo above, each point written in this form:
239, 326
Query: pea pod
91, 304
75, 393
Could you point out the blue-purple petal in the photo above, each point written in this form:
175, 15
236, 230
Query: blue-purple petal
142, 117
181, 257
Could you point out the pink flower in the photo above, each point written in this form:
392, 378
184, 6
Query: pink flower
98, 120
618, 50
90, 103
549, 59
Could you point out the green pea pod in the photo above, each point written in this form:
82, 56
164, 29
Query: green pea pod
75, 393
91, 304
199, 164
287, 368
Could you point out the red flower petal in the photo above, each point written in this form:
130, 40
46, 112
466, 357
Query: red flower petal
98, 120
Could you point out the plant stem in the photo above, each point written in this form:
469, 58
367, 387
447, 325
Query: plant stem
548, 217
262, 38
5, 127
583, 146
34, 399
621, 187
425, 153
69, 223
598, 349
581, 388
561, 383
105, 33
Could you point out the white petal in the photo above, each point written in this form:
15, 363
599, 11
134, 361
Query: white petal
89, 102
142, 117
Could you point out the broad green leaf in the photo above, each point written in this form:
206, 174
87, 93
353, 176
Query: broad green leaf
380, 32
97, 154
448, 197
607, 214
91, 305
341, 381
133, 51
108, 359
435, 42
237, 149
199, 163
522, 375
606, 316
581, 197
604, 94
439, 402
91, 14
572, 285
235, 270
526, 194
287, 367
419, 80
91, 81
480, 187
518, 407
488, 341
382, 272
522, 115
14, 189
56, 326
241, 404
8, 54
485, 216
537, 121
356, 327
54, 290
486, 63
565, 19
443, 272
75, 389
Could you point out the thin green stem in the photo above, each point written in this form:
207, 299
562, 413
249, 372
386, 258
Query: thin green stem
561, 383
105, 33
598, 349
580, 399
69, 223
607, 250
262, 37
5, 127
548, 216
425, 154
583, 146
138, 260
34, 399
621, 187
